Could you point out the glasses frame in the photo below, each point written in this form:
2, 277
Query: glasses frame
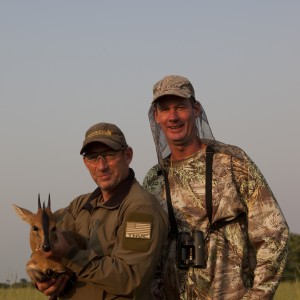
103, 155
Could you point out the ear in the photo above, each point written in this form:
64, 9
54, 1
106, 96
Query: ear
197, 109
25, 214
85, 162
155, 115
128, 155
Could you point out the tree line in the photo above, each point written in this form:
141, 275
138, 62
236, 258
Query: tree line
292, 269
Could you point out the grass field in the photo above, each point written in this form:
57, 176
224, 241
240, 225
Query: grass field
26, 293
286, 291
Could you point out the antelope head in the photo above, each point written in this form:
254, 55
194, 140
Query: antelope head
42, 236
43, 225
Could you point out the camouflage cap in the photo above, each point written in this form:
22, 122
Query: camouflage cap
173, 85
106, 133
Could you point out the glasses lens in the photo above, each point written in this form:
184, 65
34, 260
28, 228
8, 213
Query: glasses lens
107, 156
91, 157
110, 155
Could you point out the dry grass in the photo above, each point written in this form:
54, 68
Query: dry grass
26, 293
286, 290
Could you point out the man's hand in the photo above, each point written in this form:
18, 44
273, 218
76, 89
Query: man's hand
156, 289
54, 287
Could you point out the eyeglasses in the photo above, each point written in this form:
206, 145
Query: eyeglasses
106, 156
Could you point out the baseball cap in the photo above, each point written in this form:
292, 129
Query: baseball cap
173, 85
106, 133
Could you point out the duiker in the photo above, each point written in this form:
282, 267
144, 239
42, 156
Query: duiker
42, 235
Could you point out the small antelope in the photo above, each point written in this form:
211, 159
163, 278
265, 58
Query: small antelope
42, 236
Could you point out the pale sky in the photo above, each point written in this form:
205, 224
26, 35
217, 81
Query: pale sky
66, 65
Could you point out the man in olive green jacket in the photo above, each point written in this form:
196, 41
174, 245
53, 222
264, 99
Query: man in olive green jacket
122, 223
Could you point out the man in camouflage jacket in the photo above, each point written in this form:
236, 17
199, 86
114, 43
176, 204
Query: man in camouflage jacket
247, 253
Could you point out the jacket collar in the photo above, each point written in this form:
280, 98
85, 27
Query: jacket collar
116, 199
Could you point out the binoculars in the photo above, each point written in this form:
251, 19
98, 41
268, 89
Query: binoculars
191, 250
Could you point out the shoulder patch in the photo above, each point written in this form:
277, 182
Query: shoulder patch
138, 230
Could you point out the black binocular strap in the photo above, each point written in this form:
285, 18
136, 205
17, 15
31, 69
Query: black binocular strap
208, 183
172, 219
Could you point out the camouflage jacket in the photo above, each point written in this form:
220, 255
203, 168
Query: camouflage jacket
246, 257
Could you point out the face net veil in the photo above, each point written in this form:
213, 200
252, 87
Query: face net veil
161, 144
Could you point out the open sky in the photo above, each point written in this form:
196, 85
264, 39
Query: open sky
66, 65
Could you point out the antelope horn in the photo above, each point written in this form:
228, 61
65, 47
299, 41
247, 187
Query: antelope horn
49, 201
39, 202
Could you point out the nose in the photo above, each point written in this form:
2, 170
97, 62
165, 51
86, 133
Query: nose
173, 115
46, 248
101, 163
49, 273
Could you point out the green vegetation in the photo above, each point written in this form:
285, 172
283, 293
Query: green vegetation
292, 269
21, 293
288, 290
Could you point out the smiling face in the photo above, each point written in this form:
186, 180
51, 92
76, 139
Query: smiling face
176, 117
107, 174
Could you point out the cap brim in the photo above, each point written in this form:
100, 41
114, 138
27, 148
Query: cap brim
111, 144
172, 93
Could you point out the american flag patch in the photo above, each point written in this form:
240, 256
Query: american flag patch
138, 230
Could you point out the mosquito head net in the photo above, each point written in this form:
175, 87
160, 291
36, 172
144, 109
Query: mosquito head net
178, 86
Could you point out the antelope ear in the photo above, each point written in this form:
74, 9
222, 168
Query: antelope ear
25, 214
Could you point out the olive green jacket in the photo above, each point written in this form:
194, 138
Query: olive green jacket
124, 238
